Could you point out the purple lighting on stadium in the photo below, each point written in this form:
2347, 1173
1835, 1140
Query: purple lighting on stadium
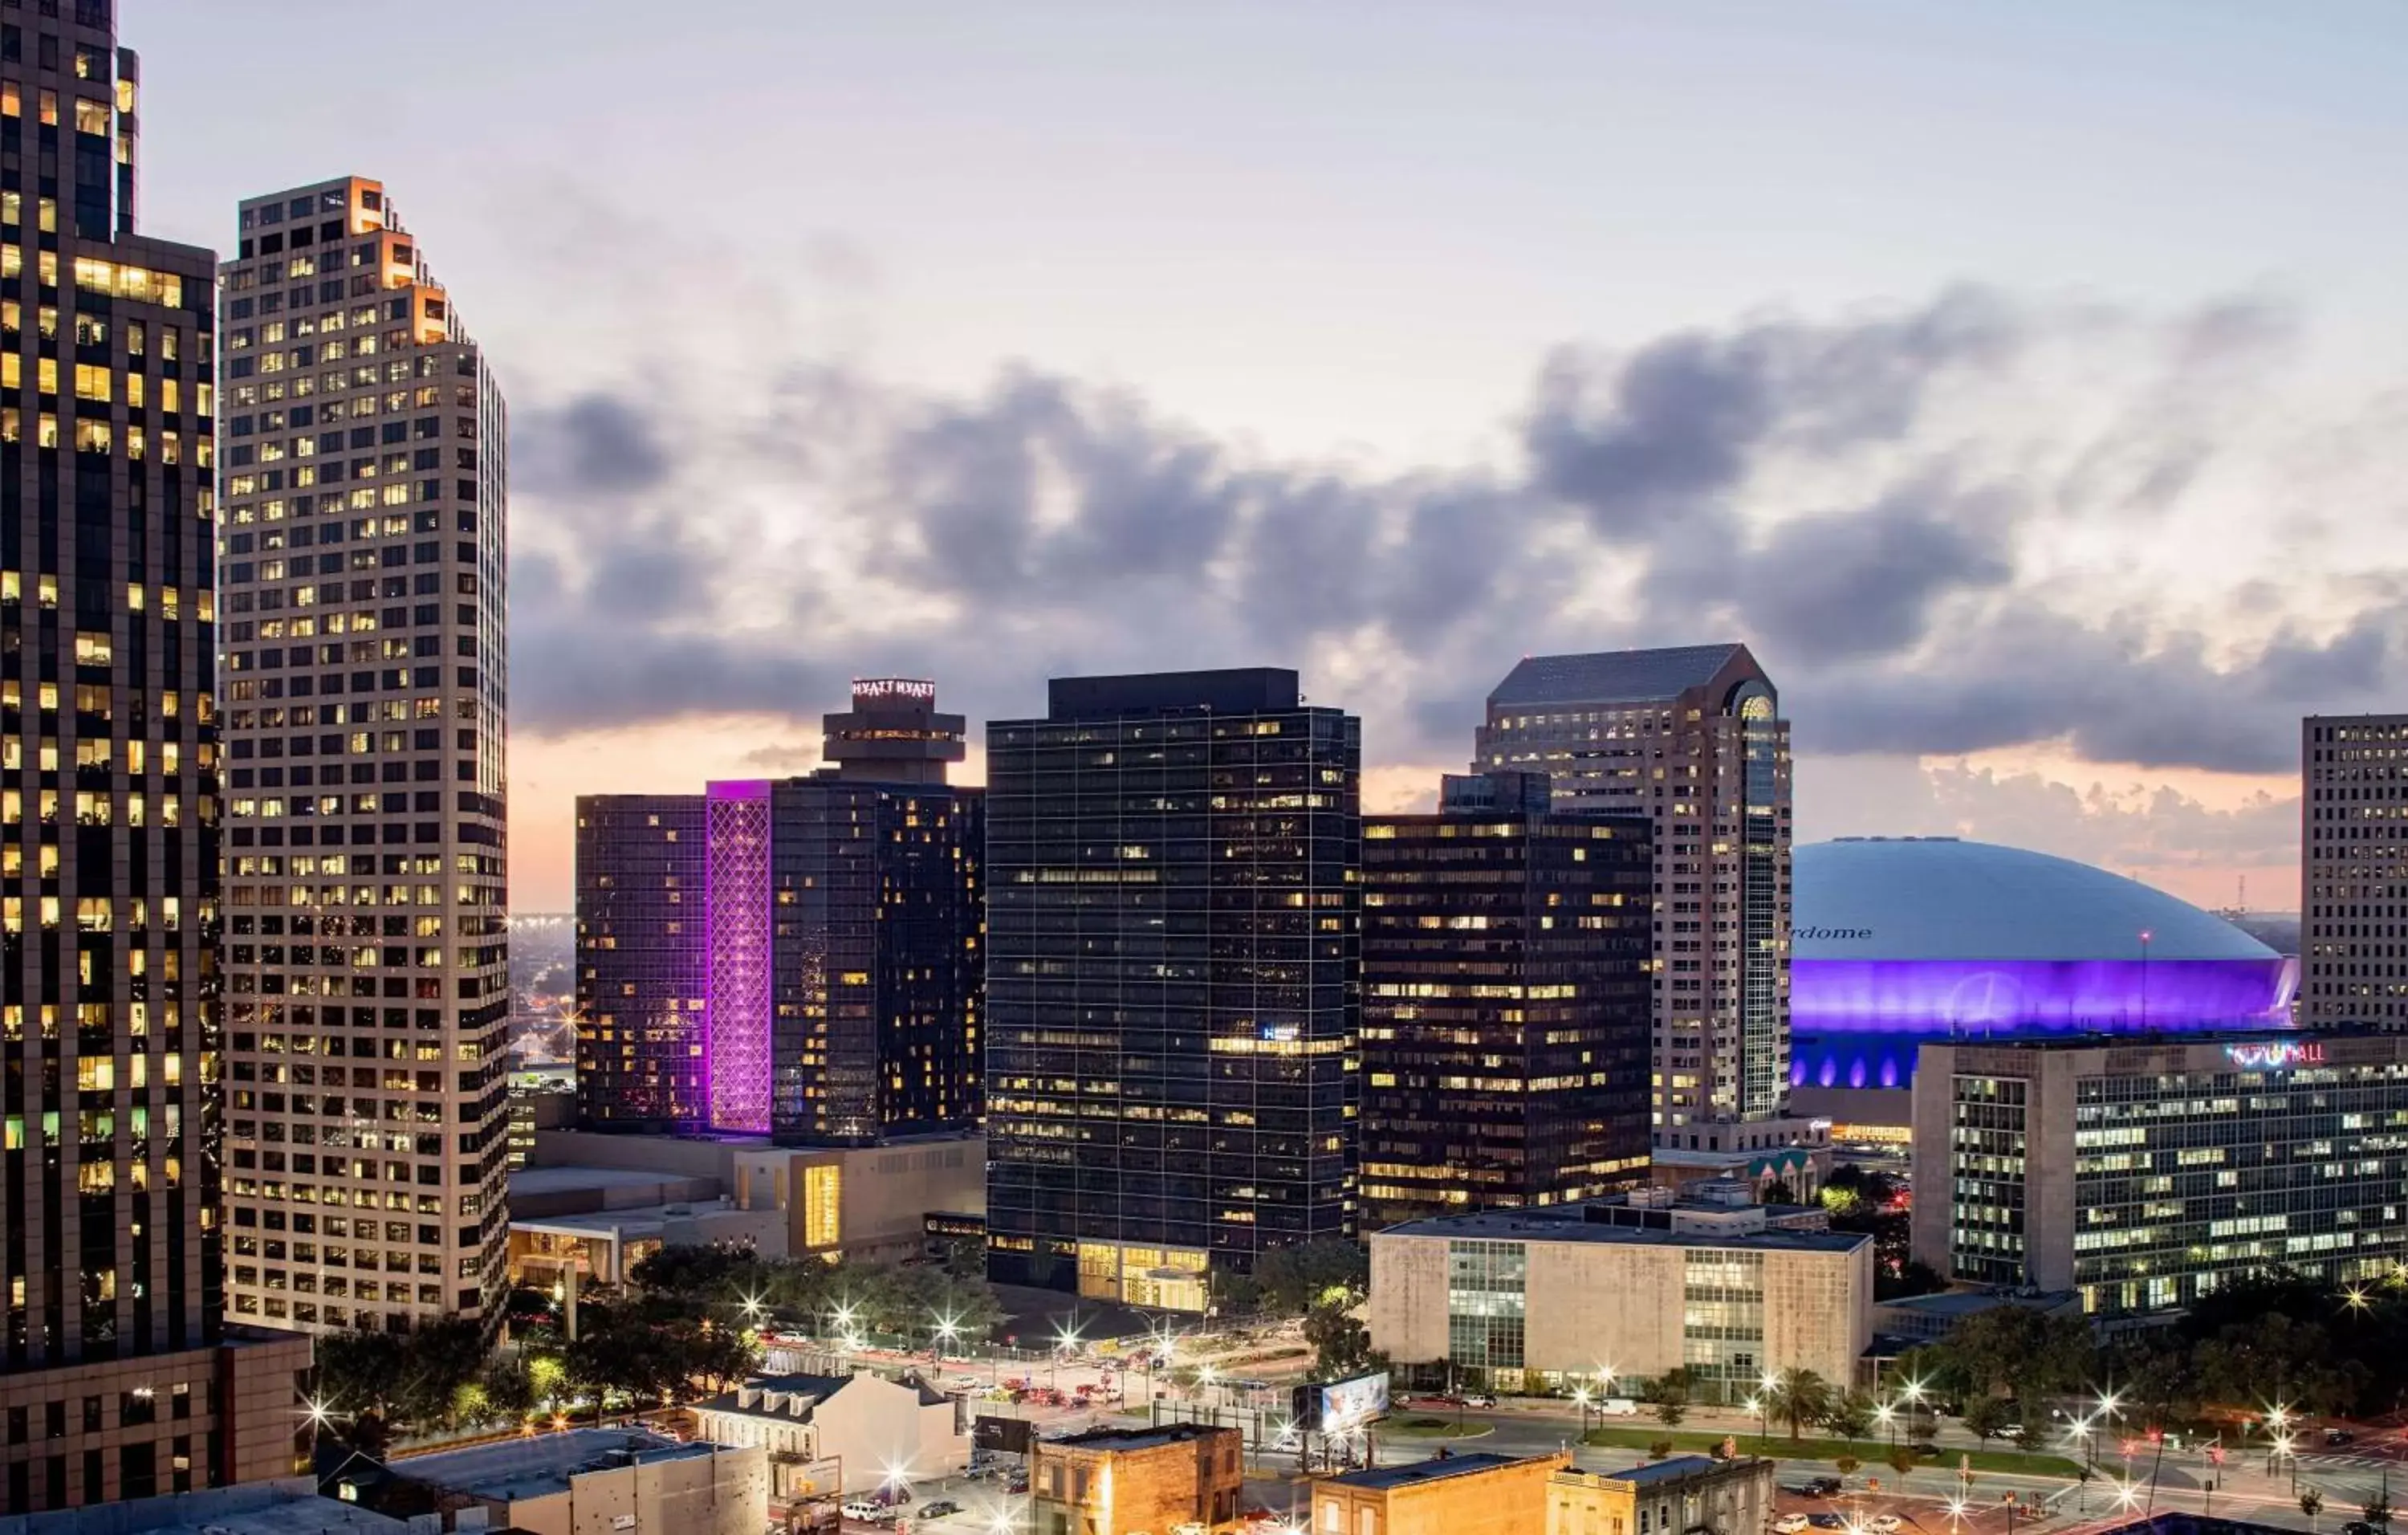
736, 1006
1857, 1022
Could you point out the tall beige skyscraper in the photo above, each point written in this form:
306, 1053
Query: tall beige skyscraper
1693, 738
361, 569
2354, 870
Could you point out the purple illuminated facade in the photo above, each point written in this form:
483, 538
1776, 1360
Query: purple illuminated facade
1903, 942
736, 1008
1856, 1023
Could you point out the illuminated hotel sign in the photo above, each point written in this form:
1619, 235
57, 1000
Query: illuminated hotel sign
893, 687
2274, 1055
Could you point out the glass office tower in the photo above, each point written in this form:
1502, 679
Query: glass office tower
1173, 865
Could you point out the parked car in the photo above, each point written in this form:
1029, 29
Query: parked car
1823, 1486
939, 1509
1018, 1484
1789, 1524
1480, 1400
863, 1508
1885, 1523
1617, 1407
1827, 1521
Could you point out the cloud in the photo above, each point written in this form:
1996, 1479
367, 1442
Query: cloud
1943, 527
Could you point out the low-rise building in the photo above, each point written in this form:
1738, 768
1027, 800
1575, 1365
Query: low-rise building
287, 1506
1124, 1480
854, 1432
2143, 1172
1448, 1493
1687, 1494
1928, 1318
863, 1202
598, 1481
1523, 1299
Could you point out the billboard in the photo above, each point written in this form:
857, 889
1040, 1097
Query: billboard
1326, 1406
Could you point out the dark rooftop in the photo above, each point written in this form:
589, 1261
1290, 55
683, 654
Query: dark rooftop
1437, 1468
1244, 690
1531, 1225
1613, 677
1134, 1439
1674, 1470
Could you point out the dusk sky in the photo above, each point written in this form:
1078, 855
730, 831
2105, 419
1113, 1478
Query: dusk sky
2023, 382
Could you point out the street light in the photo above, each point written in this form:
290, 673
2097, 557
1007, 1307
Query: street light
1886, 1416
1756, 1405
1579, 1399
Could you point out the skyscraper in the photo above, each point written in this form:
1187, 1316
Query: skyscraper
643, 971
2354, 870
116, 1379
362, 571
1692, 738
1506, 953
801, 957
1173, 986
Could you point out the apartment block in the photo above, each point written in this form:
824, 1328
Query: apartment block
362, 568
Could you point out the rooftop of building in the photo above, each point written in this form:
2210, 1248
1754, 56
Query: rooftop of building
1953, 1304
559, 1179
1678, 1468
1119, 1439
1438, 1468
516, 1468
1613, 677
1240, 690
291, 1506
1569, 1225
813, 1388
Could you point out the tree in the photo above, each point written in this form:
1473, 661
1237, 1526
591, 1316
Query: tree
1341, 1345
1847, 1465
1850, 1414
1671, 1395
1984, 1416
2378, 1510
2027, 1433
1913, 1277
1659, 1449
2312, 1504
1294, 1279
358, 1372
1797, 1398
1902, 1460
1780, 1192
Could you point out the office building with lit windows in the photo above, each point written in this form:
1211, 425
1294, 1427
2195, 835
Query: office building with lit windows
1506, 953
2354, 870
1692, 738
2140, 1174
117, 1377
361, 569
802, 958
1173, 862
643, 973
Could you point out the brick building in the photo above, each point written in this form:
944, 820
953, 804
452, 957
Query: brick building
1123, 1481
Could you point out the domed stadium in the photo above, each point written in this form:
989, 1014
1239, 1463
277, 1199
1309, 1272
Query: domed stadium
1898, 940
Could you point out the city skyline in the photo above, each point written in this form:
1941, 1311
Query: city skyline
1753, 385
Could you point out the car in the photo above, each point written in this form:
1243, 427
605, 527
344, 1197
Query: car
1825, 1521
1789, 1524
1885, 1523
2011, 1430
864, 1509
1191, 1528
2357, 1526
1822, 1486
2338, 1436
1617, 1407
939, 1509
1018, 1485
1480, 1400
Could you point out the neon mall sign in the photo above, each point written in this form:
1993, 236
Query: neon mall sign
2274, 1055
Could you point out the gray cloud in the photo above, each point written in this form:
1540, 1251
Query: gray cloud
1779, 480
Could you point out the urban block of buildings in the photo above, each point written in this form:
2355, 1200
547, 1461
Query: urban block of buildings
1507, 949
1174, 983
1127, 1481
586, 1482
118, 1379
1448, 1493
1691, 738
361, 568
800, 958
2141, 1173
1670, 1496
1530, 1300
841, 1433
